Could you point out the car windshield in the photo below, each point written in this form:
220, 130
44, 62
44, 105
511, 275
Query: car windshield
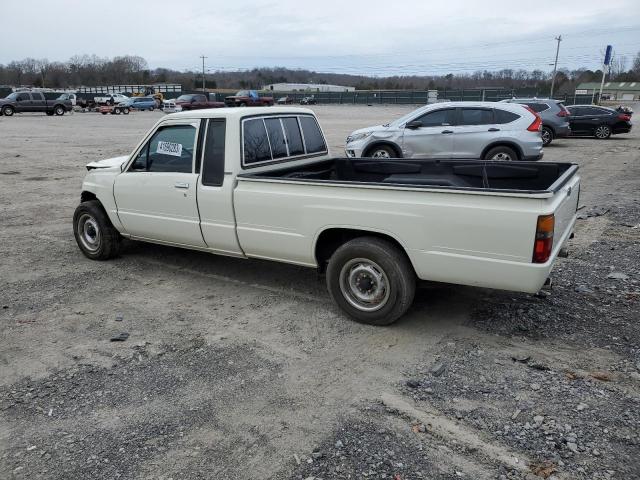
242, 93
406, 118
12, 96
184, 98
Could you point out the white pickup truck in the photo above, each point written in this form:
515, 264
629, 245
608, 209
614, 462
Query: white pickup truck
252, 183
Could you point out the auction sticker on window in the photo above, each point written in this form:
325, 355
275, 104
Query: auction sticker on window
169, 148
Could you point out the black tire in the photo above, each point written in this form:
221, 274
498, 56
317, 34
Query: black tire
117, 111
501, 153
94, 233
104, 113
59, 110
8, 111
602, 132
125, 111
381, 151
371, 256
242, 104
547, 136
151, 109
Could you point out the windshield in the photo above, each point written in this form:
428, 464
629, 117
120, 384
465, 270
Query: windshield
242, 93
12, 96
405, 118
183, 98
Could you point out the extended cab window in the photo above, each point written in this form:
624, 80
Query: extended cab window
213, 161
275, 138
438, 118
169, 150
476, 116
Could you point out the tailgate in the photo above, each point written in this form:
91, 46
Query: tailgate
565, 213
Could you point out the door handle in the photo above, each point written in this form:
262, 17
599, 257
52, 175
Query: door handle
447, 131
494, 130
181, 185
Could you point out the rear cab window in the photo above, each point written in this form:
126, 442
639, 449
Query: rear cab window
276, 138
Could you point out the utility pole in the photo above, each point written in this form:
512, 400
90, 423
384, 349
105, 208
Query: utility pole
555, 65
203, 57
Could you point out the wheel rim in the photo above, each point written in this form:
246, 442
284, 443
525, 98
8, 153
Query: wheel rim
8, 111
602, 131
59, 111
380, 154
502, 156
546, 136
364, 284
89, 232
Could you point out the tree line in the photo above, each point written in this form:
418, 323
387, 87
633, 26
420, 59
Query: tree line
91, 70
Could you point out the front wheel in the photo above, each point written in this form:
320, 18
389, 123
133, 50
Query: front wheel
602, 132
504, 154
381, 151
371, 280
95, 235
8, 111
59, 110
547, 136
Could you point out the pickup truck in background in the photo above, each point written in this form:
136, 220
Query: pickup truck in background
20, 102
251, 183
248, 98
196, 101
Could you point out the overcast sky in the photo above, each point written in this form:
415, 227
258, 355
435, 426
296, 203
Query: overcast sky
371, 37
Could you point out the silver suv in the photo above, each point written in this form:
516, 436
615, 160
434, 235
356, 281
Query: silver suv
482, 130
555, 116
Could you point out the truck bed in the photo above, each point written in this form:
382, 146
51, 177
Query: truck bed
470, 175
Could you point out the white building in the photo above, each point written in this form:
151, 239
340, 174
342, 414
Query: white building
306, 87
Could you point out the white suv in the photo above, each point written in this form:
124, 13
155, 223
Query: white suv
482, 130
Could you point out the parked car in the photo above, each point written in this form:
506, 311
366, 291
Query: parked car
311, 100
600, 122
248, 98
169, 106
250, 184
555, 116
141, 103
479, 130
112, 99
19, 102
285, 101
196, 101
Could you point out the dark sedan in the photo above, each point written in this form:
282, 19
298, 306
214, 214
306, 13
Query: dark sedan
600, 122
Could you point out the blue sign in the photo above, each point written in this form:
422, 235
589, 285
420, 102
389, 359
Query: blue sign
607, 55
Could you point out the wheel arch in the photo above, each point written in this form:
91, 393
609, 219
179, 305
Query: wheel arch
331, 238
503, 143
396, 148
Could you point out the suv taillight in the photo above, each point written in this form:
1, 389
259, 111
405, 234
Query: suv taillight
563, 113
536, 126
544, 238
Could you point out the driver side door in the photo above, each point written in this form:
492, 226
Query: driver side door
430, 136
156, 194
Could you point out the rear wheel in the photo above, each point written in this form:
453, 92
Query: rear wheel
125, 110
602, 132
371, 280
501, 153
8, 110
381, 151
94, 233
547, 136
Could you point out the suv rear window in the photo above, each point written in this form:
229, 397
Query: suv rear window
503, 116
272, 138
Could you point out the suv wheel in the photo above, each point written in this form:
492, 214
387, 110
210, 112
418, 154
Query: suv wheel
8, 111
547, 136
381, 151
602, 132
504, 154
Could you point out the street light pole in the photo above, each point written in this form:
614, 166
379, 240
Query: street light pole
203, 57
555, 65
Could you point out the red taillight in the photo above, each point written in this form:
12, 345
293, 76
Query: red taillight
536, 126
625, 117
562, 113
544, 238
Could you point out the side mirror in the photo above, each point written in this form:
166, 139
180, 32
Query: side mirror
413, 124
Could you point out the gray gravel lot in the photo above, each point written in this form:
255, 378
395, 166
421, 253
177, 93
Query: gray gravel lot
244, 369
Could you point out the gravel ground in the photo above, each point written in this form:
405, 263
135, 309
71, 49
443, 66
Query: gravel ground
244, 369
